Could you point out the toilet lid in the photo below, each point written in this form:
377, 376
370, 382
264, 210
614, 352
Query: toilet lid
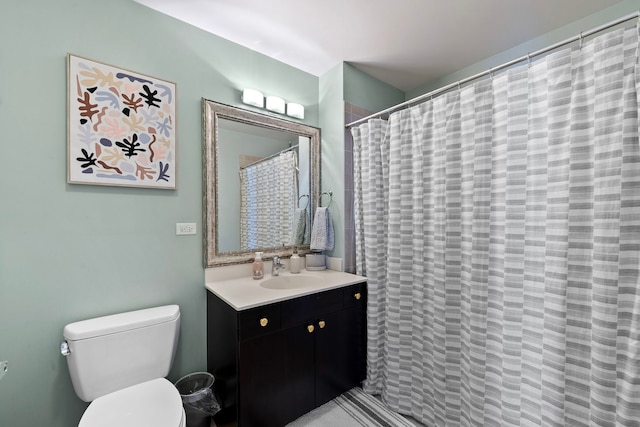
153, 403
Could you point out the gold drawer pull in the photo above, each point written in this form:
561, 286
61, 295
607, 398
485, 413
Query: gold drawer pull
322, 324
264, 322
357, 295
310, 328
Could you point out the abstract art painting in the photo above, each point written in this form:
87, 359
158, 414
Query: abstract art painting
121, 128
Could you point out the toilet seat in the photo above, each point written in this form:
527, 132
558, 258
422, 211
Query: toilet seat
153, 403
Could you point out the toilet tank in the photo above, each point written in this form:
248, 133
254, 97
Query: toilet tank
110, 353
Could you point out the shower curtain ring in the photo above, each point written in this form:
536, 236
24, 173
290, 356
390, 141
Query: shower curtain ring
581, 39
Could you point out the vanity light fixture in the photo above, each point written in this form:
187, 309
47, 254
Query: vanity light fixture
253, 97
275, 104
295, 110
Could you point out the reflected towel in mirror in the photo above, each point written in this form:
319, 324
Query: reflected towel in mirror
322, 237
299, 229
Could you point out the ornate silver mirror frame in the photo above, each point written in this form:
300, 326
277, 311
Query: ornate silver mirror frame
212, 113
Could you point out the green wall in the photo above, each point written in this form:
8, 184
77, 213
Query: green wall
71, 252
332, 150
368, 92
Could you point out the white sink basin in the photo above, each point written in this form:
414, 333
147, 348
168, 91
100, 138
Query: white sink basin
291, 281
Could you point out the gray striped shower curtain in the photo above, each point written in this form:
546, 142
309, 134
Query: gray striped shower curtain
499, 227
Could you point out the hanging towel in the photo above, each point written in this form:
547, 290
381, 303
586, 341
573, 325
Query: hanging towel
298, 231
322, 238
307, 229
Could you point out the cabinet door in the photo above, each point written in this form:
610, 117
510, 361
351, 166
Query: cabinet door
333, 351
259, 373
298, 361
276, 375
357, 321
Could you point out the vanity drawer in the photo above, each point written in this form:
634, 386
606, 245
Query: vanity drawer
304, 309
355, 295
259, 321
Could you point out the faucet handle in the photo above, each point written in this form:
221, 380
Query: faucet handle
276, 266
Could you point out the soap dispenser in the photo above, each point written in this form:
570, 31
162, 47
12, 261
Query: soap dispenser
258, 267
294, 263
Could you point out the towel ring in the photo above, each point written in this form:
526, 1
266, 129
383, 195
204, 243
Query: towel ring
304, 195
328, 193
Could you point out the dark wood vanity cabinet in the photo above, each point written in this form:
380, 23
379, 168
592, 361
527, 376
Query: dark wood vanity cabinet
277, 362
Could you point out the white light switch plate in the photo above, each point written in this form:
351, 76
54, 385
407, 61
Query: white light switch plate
185, 228
4, 367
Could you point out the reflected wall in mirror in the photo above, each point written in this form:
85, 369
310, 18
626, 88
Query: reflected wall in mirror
261, 183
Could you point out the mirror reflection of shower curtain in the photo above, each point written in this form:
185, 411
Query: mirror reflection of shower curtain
268, 197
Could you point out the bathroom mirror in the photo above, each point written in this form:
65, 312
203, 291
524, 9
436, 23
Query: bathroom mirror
261, 184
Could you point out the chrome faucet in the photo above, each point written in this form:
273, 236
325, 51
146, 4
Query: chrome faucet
276, 266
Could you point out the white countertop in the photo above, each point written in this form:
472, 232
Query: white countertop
244, 293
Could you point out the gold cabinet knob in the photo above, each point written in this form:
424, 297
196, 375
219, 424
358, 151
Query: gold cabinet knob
357, 295
322, 324
310, 328
264, 322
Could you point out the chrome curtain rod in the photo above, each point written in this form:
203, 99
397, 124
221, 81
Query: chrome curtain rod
293, 147
527, 57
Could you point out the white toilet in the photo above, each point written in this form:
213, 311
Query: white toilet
118, 363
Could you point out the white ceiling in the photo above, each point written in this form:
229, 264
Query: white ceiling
405, 43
